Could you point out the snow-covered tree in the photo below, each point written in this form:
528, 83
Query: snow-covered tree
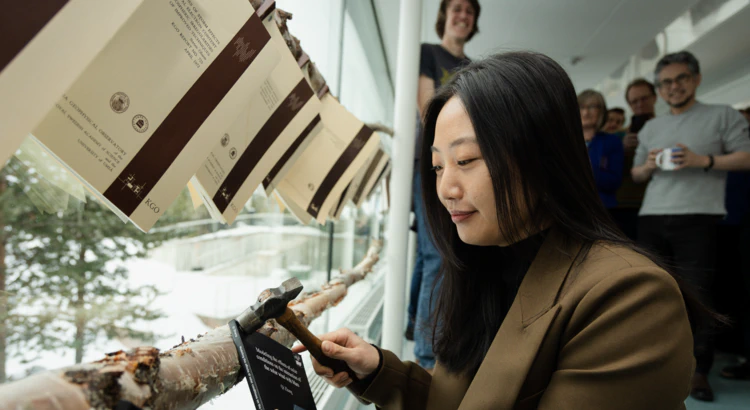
63, 282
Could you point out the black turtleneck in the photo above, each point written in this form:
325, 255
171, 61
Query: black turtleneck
515, 260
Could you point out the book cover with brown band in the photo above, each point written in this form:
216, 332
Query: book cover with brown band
173, 134
260, 144
47, 44
342, 200
290, 151
20, 22
266, 9
368, 174
383, 173
338, 169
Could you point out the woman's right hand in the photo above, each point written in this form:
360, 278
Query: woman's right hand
362, 357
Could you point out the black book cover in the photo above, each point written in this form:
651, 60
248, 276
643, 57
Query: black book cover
276, 376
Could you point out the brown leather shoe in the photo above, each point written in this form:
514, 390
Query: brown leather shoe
700, 389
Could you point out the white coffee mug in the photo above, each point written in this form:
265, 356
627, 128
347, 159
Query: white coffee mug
664, 159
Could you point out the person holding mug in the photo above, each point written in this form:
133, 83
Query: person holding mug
686, 185
544, 303
668, 159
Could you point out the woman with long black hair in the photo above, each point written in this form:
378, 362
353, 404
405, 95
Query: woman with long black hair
544, 302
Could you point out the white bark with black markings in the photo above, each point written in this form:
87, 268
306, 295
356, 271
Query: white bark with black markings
182, 378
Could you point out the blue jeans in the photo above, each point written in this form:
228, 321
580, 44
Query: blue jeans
426, 267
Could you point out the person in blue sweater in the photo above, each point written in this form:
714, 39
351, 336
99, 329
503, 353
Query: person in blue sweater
605, 150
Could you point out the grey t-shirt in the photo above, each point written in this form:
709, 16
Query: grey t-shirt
704, 129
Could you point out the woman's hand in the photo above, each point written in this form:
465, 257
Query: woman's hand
343, 344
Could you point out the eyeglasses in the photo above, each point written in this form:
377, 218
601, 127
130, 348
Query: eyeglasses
641, 100
679, 80
591, 107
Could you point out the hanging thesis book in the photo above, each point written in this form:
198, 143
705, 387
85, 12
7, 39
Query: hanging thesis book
50, 42
316, 182
270, 134
361, 186
141, 118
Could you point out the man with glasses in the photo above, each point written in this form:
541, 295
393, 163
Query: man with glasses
685, 195
641, 97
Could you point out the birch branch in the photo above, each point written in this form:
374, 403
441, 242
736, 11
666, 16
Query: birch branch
376, 126
182, 378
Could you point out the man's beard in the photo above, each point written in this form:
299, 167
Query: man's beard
683, 102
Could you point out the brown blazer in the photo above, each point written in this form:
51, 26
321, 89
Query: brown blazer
611, 332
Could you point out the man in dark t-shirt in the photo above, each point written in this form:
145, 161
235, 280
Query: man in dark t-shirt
439, 65
456, 24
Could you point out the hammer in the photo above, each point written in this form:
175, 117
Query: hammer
272, 304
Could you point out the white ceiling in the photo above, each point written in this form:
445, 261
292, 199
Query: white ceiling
724, 55
603, 32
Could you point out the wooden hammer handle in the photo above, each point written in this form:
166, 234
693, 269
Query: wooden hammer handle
289, 320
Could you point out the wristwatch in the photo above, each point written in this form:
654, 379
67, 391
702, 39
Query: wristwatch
710, 163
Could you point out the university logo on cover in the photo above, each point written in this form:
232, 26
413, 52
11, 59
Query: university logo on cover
226, 195
242, 50
294, 102
131, 184
225, 140
140, 123
119, 102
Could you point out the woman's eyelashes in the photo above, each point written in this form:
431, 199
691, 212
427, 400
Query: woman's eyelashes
465, 161
460, 163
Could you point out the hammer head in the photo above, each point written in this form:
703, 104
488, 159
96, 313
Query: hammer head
271, 304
